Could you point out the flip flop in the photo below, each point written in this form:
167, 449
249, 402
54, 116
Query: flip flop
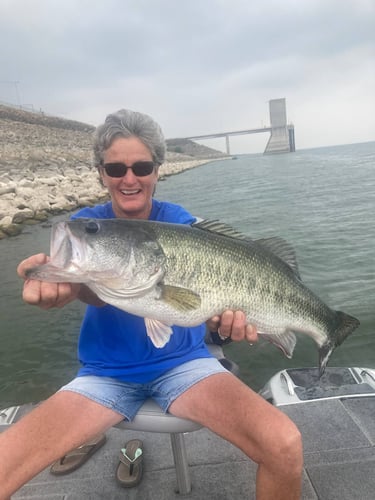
77, 457
130, 468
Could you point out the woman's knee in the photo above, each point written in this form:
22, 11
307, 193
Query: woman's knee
287, 452
280, 449
292, 445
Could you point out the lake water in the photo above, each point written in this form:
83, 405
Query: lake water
321, 200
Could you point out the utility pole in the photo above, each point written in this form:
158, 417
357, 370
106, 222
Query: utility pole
15, 84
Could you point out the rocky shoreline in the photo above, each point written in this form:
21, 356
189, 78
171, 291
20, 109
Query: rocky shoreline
46, 170
31, 195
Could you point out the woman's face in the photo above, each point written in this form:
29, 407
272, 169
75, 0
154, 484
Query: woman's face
131, 195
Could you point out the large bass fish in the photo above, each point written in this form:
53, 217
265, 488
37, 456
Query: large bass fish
173, 274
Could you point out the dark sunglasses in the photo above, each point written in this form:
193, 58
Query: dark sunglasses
140, 168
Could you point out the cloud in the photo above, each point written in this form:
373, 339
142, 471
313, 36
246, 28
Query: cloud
197, 67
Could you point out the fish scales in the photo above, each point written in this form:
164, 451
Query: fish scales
228, 262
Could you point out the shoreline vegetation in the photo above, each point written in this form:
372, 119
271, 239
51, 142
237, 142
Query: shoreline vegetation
46, 168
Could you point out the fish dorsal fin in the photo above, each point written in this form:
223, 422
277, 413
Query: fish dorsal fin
276, 245
282, 249
221, 228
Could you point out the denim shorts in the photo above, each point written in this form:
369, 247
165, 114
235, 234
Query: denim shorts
127, 398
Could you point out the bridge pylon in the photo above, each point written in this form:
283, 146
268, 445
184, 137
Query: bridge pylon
282, 135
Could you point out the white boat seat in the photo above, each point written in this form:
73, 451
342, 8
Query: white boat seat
151, 418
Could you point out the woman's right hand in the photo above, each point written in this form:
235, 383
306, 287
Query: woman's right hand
43, 294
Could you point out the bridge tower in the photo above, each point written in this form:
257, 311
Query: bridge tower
282, 135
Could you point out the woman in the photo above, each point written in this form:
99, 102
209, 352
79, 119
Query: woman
120, 365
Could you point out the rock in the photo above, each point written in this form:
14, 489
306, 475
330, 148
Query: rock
41, 216
26, 183
22, 215
49, 181
12, 229
7, 189
39, 205
6, 221
25, 192
86, 202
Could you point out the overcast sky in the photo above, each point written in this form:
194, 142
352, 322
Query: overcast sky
197, 66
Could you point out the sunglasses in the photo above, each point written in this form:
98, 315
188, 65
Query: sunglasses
140, 168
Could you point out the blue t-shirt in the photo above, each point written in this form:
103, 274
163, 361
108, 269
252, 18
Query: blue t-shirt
114, 343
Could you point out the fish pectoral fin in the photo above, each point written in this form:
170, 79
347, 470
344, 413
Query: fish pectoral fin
158, 332
179, 298
286, 341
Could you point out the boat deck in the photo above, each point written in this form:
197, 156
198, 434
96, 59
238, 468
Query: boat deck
338, 437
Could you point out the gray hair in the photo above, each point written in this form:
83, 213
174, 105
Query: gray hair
126, 123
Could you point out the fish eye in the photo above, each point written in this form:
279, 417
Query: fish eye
92, 227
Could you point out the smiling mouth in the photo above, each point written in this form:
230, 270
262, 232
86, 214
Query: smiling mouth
130, 192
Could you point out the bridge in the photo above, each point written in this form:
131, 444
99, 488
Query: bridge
281, 139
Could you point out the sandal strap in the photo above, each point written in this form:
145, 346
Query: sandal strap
81, 450
131, 460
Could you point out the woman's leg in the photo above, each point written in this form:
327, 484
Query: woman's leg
222, 403
61, 423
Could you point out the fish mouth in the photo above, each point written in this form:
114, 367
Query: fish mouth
65, 248
60, 245
59, 267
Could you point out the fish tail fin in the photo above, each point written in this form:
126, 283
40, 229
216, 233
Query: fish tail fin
345, 326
